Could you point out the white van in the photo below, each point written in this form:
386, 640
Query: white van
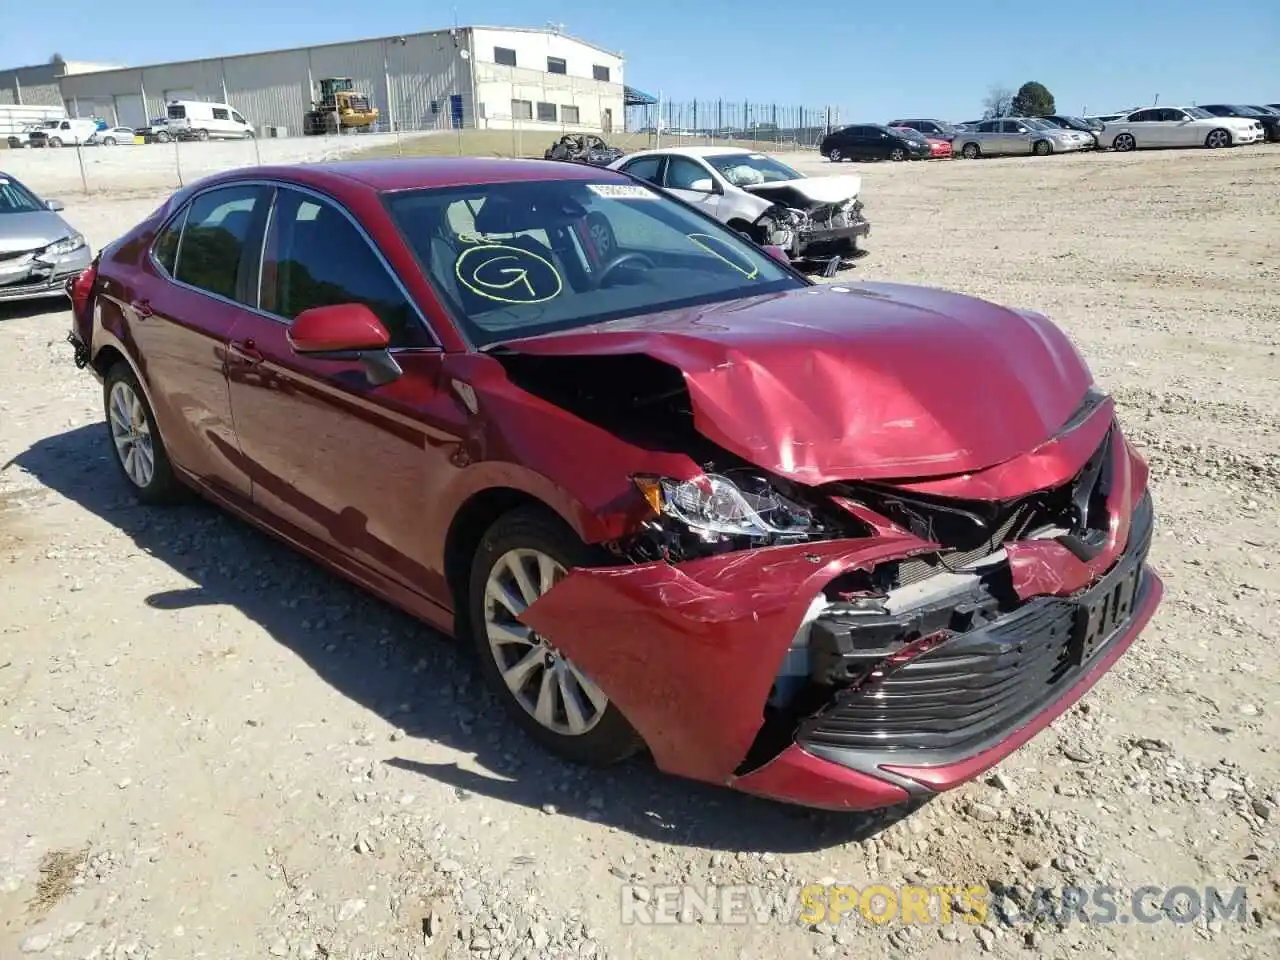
201, 119
67, 132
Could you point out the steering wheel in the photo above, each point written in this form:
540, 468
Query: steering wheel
617, 261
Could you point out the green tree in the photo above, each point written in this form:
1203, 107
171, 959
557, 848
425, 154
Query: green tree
1033, 100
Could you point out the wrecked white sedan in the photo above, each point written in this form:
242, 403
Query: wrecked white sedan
757, 195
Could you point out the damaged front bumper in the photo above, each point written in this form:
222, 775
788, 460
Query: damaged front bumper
743, 668
35, 275
827, 230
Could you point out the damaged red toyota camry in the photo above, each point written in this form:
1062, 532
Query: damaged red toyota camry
840, 545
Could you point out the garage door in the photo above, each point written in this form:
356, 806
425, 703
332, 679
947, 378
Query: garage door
130, 111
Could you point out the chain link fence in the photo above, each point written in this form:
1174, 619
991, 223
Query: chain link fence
765, 125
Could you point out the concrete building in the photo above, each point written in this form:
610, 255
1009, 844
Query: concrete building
475, 77
41, 85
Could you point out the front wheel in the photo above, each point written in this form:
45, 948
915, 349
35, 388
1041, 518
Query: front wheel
897, 154
971, 151
521, 557
202, 134
55, 142
1042, 148
1124, 143
1217, 139
140, 452
835, 156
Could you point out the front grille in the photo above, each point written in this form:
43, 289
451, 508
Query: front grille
978, 686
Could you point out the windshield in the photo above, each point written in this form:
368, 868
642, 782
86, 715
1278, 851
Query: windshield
1035, 123
1197, 113
519, 259
747, 169
15, 198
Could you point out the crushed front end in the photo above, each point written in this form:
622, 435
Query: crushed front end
815, 231
854, 645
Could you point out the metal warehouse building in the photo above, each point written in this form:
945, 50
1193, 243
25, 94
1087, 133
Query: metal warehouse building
483, 77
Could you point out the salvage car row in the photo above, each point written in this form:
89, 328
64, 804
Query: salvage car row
1214, 126
680, 498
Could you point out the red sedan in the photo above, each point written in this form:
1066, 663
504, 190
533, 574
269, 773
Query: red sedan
843, 546
939, 149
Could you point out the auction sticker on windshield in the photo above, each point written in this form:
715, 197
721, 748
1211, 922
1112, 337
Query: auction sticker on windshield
621, 191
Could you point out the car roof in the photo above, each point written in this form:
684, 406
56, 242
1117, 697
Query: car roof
698, 151
409, 173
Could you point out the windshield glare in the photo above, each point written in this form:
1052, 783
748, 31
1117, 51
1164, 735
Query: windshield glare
15, 198
1197, 113
514, 260
748, 169
910, 134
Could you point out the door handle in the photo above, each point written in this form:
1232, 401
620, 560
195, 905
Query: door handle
246, 351
142, 308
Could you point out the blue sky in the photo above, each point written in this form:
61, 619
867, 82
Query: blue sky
925, 58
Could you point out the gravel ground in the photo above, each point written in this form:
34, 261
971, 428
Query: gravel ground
211, 748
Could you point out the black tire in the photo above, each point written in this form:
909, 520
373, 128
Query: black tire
163, 487
202, 134
971, 151
109, 141
897, 154
55, 142
835, 156
1218, 139
162, 138
1124, 143
1042, 148
612, 738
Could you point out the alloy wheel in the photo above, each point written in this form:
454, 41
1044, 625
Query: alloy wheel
835, 156
1218, 139
546, 684
602, 240
970, 151
1124, 143
896, 154
132, 435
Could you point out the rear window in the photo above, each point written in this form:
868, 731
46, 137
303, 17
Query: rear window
177, 113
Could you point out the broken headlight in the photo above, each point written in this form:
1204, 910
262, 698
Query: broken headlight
715, 506
60, 248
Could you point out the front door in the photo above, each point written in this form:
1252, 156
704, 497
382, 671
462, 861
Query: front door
345, 462
692, 183
184, 300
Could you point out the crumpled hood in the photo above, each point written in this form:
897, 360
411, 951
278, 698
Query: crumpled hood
818, 189
31, 230
866, 381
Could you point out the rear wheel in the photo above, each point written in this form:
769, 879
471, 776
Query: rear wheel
1217, 139
1124, 143
971, 151
521, 557
202, 134
109, 141
140, 452
55, 142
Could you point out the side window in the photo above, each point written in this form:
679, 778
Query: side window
215, 241
646, 168
315, 257
236, 117
989, 126
66, 125
221, 113
1143, 116
683, 172
165, 248
1176, 116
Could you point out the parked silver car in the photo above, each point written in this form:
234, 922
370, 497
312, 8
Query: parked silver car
39, 251
1013, 136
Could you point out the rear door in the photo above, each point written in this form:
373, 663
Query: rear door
341, 461
180, 304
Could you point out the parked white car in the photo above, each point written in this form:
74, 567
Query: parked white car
203, 120
1158, 127
759, 196
111, 136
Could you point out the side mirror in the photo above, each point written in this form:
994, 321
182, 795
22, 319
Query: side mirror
345, 331
704, 185
1023, 130
778, 254
55, 205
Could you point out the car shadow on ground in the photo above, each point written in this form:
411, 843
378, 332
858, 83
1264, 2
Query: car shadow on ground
418, 680
23, 309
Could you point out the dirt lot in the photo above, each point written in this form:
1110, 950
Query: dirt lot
210, 748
